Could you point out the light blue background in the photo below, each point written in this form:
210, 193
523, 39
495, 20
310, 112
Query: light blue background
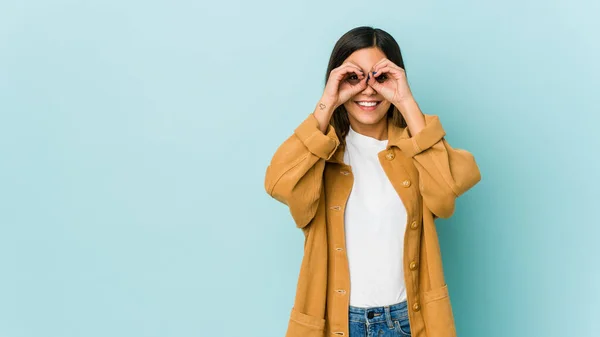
134, 137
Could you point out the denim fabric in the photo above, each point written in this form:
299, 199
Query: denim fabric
385, 321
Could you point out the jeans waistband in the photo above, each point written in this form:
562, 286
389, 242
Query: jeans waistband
392, 307
383, 313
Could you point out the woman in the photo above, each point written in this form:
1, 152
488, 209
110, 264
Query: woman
364, 176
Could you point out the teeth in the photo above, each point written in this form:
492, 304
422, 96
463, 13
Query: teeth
367, 103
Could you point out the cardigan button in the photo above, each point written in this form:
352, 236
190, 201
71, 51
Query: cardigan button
390, 156
336, 208
344, 172
414, 225
416, 306
341, 291
406, 183
413, 265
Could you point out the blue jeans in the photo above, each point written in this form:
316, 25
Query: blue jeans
385, 321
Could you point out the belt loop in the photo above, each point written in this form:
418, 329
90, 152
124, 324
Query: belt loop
388, 317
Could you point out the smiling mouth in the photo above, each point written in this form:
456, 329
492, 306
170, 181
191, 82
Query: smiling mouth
367, 105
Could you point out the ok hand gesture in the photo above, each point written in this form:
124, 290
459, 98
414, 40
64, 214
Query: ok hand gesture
389, 80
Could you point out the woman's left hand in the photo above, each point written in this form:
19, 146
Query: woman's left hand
390, 81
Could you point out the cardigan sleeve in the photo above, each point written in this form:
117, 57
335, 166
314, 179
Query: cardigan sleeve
444, 172
295, 173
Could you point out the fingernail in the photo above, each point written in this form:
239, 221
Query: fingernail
374, 72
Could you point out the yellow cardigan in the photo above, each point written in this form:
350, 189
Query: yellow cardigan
307, 173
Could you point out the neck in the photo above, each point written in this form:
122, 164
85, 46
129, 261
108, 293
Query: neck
377, 131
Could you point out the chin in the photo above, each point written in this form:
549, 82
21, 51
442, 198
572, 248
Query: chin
368, 117
371, 119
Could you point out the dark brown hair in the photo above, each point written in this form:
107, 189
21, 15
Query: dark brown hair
355, 39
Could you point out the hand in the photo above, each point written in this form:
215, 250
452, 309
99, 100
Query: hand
390, 81
343, 83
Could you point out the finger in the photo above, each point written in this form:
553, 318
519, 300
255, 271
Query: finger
353, 89
362, 85
385, 59
391, 68
380, 63
388, 63
347, 72
374, 84
348, 67
344, 72
395, 72
355, 65
359, 69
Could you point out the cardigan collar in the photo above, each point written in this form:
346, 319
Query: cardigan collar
395, 136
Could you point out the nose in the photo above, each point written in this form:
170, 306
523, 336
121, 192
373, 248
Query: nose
369, 90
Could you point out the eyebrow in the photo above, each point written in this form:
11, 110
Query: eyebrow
366, 71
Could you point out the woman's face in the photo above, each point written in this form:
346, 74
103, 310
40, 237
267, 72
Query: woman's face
365, 118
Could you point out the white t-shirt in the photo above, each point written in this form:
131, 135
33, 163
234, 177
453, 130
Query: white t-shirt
375, 221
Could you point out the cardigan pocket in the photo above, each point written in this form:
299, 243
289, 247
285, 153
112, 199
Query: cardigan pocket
437, 313
304, 325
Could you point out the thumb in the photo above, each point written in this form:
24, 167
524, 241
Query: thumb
362, 85
374, 84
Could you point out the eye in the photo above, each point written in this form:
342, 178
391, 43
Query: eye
381, 78
353, 78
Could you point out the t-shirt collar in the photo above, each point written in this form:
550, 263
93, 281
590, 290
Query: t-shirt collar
362, 140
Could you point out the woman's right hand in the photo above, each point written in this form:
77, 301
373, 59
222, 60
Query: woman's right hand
343, 83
